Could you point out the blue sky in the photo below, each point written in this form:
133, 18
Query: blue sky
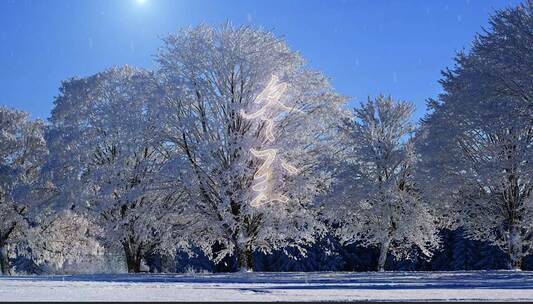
365, 47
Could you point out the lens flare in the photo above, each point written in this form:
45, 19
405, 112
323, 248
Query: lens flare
270, 98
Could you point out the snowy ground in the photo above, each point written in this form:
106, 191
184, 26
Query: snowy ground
328, 286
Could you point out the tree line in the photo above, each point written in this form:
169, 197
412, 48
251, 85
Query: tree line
137, 163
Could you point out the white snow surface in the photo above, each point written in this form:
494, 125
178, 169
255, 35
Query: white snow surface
323, 286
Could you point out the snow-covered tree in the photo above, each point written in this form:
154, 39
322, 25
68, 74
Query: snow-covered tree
376, 201
65, 238
108, 165
478, 146
504, 56
22, 150
213, 80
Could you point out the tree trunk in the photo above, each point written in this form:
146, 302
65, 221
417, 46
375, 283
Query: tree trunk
515, 263
245, 259
514, 251
133, 257
4, 261
383, 251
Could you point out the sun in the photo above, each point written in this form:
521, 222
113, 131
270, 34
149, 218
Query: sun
141, 2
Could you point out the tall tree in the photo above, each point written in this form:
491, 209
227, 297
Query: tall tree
111, 168
251, 124
478, 142
22, 150
503, 55
376, 201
